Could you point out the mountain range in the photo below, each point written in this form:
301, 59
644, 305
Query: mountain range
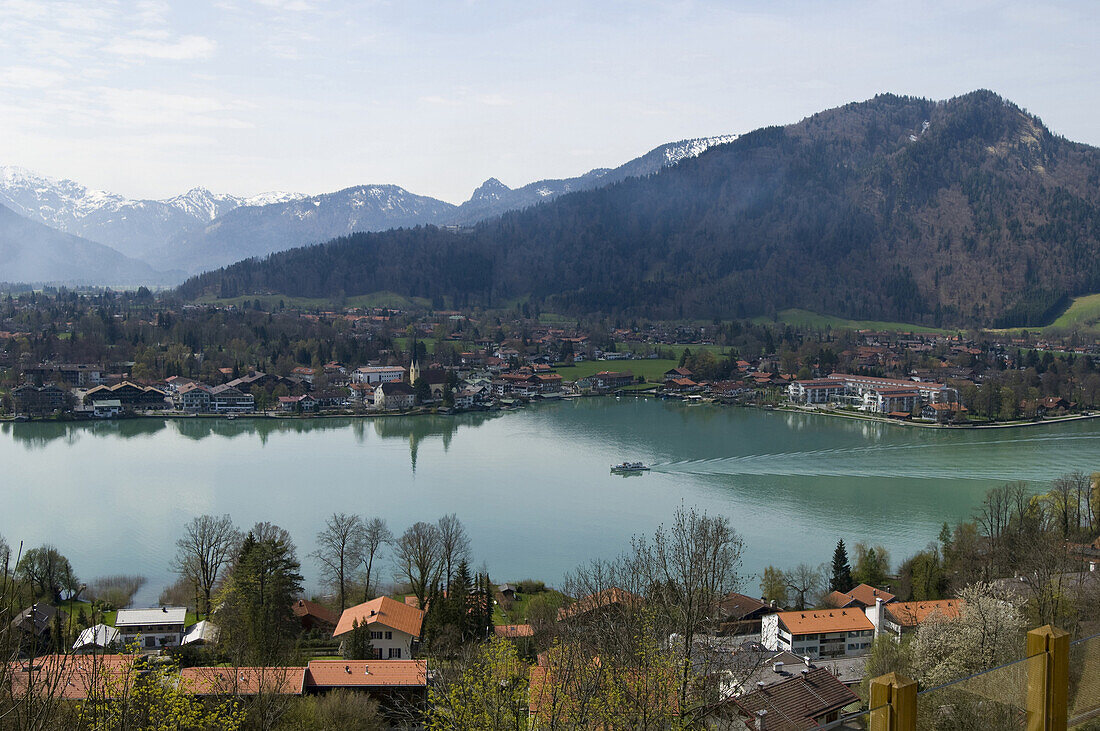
958, 212
200, 230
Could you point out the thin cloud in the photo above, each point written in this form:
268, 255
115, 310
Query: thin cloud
185, 48
27, 77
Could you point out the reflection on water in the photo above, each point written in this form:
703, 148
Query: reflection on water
414, 429
533, 486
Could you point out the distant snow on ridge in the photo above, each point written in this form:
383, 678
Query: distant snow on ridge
693, 148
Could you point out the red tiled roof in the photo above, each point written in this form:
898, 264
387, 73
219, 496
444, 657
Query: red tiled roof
910, 614
304, 607
367, 673
242, 681
605, 598
825, 620
514, 630
796, 704
384, 611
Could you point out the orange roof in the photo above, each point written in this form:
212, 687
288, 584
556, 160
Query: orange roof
304, 607
386, 612
910, 614
242, 681
73, 677
367, 673
607, 597
514, 630
825, 620
866, 594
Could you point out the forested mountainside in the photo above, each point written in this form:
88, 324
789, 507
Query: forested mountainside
967, 211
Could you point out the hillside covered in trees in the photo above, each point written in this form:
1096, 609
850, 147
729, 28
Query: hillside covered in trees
959, 212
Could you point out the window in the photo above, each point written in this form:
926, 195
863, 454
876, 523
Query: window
395, 653
376, 635
389, 635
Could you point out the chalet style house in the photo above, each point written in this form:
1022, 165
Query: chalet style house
394, 626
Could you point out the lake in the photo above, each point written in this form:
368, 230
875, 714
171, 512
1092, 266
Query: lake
532, 486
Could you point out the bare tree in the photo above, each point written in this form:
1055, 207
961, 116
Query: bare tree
690, 565
376, 534
204, 550
418, 559
804, 580
454, 545
338, 551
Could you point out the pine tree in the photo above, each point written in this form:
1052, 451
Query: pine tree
842, 570
357, 644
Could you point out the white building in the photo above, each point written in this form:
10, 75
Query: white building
377, 374
151, 628
394, 626
818, 633
869, 393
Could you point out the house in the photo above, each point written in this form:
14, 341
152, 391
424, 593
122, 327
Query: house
674, 373
152, 628
514, 631
741, 615
234, 681
377, 374
38, 401
394, 396
106, 408
394, 626
200, 633
820, 633
226, 399
809, 700
397, 685
900, 618
608, 600
35, 624
507, 591
194, 398
97, 637
861, 596
73, 677
754, 666
304, 403
315, 616
943, 413
131, 395
305, 374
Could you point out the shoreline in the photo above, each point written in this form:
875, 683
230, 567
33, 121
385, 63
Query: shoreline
784, 408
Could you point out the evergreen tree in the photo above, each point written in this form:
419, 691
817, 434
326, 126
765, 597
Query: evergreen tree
842, 570
255, 617
357, 644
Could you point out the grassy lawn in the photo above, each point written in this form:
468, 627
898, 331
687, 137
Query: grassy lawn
1083, 314
650, 369
805, 318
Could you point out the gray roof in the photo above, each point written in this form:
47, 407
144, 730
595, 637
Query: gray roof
200, 632
98, 636
155, 615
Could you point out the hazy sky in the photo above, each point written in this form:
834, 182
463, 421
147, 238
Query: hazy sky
151, 98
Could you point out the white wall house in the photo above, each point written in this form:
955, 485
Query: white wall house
394, 627
818, 633
151, 628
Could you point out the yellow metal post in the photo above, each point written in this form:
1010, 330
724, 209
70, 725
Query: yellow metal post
893, 703
1047, 679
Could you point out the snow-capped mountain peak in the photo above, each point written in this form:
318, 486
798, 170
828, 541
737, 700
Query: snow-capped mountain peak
491, 190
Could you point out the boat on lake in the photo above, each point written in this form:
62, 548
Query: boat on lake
628, 467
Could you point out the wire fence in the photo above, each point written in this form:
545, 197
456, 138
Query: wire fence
853, 721
991, 699
1084, 682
